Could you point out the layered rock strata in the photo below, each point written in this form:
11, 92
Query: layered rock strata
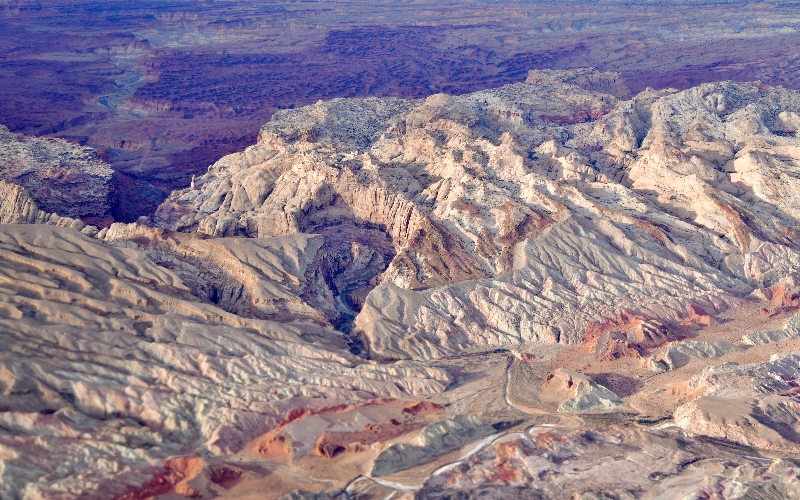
611, 464
111, 366
575, 392
435, 439
17, 207
753, 404
528, 212
640, 254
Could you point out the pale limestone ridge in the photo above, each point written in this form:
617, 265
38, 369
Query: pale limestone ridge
254, 277
523, 213
577, 393
753, 405
435, 439
677, 355
62, 177
791, 330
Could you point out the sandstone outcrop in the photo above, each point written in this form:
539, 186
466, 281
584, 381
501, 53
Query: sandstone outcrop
612, 464
753, 405
17, 207
626, 336
677, 355
435, 439
791, 330
62, 177
324, 309
527, 212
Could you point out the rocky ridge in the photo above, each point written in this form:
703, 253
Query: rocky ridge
523, 213
577, 393
17, 207
63, 178
753, 404
113, 366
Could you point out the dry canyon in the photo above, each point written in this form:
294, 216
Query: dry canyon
554, 288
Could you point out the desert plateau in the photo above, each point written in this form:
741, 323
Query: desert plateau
164, 89
451, 250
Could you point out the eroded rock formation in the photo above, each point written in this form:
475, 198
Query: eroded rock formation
63, 178
112, 365
526, 212
551, 289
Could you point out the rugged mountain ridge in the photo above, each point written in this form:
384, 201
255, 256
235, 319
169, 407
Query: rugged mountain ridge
64, 178
113, 366
523, 213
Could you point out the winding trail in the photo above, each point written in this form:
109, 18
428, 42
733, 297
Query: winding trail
565, 421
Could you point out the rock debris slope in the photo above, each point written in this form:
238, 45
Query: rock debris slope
526, 212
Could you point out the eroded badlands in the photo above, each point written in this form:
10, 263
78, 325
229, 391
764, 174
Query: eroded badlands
552, 289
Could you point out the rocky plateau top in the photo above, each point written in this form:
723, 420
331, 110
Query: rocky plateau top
62, 177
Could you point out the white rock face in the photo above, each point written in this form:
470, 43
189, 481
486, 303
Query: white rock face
110, 365
525, 212
678, 355
551, 211
435, 439
17, 207
791, 330
578, 393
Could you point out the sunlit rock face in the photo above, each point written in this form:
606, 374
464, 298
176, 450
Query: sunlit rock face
18, 207
752, 404
525, 212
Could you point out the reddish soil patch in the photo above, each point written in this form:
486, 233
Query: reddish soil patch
422, 408
175, 470
781, 300
697, 316
629, 335
330, 444
275, 447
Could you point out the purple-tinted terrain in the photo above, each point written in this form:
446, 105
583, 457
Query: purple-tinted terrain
166, 88
406, 250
